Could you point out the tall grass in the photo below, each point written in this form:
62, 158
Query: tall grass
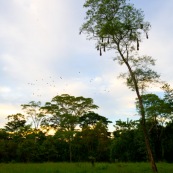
83, 168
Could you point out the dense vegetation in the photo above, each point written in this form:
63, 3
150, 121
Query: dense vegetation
80, 134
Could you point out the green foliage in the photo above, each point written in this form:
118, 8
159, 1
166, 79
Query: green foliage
92, 139
15, 122
64, 111
168, 142
144, 75
156, 109
128, 144
91, 118
168, 99
34, 113
114, 24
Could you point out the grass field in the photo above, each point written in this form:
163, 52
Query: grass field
83, 168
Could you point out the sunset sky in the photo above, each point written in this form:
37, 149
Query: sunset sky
42, 55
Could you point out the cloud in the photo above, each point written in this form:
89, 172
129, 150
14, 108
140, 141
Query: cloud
5, 110
4, 90
42, 55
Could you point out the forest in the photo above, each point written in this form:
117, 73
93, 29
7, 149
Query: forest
68, 130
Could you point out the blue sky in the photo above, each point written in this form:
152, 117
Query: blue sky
40, 44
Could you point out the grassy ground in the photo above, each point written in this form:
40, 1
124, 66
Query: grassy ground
83, 168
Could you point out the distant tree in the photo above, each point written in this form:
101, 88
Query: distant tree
64, 110
28, 151
3, 152
119, 26
93, 142
15, 122
62, 146
34, 113
168, 142
168, 99
3, 149
63, 114
30, 146
48, 149
91, 119
3, 134
128, 144
156, 109
125, 125
104, 138
95, 136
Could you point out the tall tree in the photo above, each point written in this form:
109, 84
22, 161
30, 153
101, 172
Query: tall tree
34, 113
64, 112
119, 26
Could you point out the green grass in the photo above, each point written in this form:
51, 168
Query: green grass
83, 168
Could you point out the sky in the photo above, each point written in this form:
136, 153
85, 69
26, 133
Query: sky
42, 55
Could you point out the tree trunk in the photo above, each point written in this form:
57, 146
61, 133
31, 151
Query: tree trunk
142, 111
147, 142
149, 151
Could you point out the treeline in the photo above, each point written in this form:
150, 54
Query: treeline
80, 134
